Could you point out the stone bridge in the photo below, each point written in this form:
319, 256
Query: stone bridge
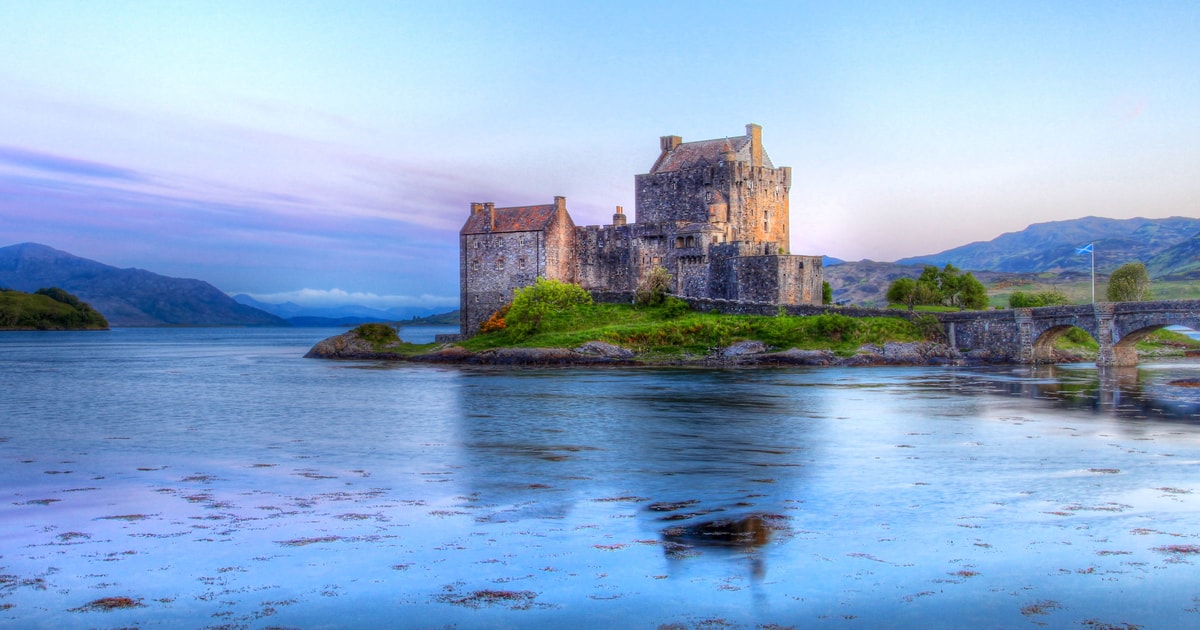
1026, 335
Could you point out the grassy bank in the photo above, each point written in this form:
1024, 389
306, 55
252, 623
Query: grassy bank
48, 309
669, 332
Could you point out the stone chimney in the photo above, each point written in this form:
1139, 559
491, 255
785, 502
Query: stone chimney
756, 149
490, 208
476, 208
668, 143
619, 217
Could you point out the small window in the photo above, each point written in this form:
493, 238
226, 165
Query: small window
499, 264
521, 264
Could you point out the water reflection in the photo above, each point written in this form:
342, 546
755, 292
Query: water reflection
1128, 392
699, 458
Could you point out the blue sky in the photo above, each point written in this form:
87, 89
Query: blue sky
328, 151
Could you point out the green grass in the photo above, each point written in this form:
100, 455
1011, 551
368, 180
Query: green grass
1159, 343
35, 311
664, 332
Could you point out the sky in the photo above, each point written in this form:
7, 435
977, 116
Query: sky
328, 152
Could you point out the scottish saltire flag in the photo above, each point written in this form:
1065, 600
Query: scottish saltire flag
1086, 249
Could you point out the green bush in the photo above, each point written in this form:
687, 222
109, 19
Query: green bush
1042, 298
673, 307
652, 290
930, 327
377, 333
540, 301
834, 326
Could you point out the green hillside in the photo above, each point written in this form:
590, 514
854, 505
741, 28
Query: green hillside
47, 309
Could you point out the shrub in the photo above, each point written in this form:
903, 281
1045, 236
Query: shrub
377, 333
674, 307
652, 290
834, 326
531, 305
1042, 298
930, 327
496, 322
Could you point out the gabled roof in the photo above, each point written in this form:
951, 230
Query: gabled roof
518, 219
705, 153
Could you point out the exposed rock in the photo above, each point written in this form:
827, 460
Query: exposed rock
606, 350
743, 348
749, 353
344, 346
796, 356
920, 352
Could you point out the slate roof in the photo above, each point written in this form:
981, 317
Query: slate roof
518, 219
705, 153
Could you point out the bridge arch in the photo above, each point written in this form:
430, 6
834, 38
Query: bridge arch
1043, 345
1133, 321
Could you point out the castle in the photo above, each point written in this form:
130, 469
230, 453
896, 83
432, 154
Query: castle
714, 213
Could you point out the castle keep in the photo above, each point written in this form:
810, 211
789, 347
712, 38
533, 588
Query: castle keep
714, 213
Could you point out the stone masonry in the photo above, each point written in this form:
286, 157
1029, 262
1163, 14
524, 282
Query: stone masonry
714, 213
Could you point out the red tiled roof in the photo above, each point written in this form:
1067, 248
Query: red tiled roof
705, 152
519, 219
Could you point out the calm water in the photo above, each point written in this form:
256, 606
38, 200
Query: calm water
216, 478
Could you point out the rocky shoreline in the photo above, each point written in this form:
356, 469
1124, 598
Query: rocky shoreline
348, 346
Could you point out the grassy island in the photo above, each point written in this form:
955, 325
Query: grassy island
47, 309
672, 333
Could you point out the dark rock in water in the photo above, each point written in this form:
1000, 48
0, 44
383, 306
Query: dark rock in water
1186, 382
748, 531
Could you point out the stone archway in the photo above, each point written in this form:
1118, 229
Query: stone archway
1043, 346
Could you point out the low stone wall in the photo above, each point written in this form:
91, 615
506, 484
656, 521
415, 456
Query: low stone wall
990, 335
732, 307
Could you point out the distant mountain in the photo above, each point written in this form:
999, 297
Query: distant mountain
126, 297
337, 315
1180, 262
1051, 247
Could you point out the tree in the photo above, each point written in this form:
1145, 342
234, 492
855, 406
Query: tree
903, 291
654, 287
1129, 283
826, 293
939, 287
969, 294
533, 303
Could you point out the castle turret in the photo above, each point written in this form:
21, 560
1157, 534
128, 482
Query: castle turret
619, 216
728, 154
